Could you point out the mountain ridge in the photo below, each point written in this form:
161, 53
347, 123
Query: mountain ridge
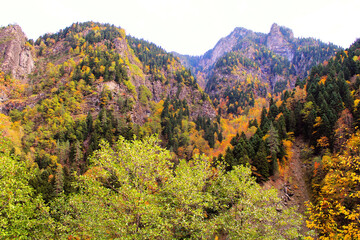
280, 40
120, 82
80, 122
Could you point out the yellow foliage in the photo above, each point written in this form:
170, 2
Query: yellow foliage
336, 213
323, 142
278, 116
318, 122
198, 142
323, 80
288, 149
356, 102
265, 137
12, 131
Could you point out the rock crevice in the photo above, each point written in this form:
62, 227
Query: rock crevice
16, 58
279, 41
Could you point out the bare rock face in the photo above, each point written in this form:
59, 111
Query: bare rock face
15, 56
279, 40
224, 46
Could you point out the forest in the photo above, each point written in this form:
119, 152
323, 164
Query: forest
111, 137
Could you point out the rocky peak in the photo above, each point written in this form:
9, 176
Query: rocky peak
281, 31
224, 46
15, 56
279, 41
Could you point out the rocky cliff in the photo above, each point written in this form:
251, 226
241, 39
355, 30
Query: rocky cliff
15, 57
97, 54
279, 40
247, 65
223, 46
279, 48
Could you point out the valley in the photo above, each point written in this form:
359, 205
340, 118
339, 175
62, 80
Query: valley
107, 136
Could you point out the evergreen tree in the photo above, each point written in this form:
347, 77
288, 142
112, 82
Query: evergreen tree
261, 163
89, 123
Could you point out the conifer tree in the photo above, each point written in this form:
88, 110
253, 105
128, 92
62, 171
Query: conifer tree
261, 163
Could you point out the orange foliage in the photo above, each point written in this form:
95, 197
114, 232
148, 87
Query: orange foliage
323, 142
343, 128
316, 167
237, 124
323, 80
299, 96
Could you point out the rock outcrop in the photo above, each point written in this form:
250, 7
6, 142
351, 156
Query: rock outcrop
279, 41
15, 56
224, 46
272, 53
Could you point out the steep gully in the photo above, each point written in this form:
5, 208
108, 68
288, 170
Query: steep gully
292, 182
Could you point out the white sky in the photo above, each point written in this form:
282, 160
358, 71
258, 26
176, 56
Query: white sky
190, 26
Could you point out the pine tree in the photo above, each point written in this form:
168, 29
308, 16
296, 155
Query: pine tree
261, 163
229, 159
89, 123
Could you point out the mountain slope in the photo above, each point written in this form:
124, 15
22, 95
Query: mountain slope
301, 53
90, 82
247, 65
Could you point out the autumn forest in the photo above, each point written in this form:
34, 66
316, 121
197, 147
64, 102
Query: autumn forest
108, 136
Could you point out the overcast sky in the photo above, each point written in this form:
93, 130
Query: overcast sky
190, 26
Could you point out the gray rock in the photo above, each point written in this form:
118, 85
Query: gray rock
279, 41
15, 56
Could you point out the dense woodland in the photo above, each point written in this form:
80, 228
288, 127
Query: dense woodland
103, 141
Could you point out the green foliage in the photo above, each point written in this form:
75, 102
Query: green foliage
280, 86
132, 192
172, 116
209, 127
22, 215
184, 76
313, 52
239, 97
328, 94
277, 64
131, 88
231, 60
101, 62
151, 55
144, 95
263, 150
99, 32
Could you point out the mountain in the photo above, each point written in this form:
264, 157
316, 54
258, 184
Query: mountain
59, 48
89, 81
247, 65
77, 111
101, 131
301, 53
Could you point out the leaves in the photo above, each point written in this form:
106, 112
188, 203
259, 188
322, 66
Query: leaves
335, 212
21, 214
132, 192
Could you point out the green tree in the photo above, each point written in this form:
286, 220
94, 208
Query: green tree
261, 163
133, 191
22, 214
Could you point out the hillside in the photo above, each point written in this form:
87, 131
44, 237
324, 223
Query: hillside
246, 65
278, 47
93, 72
105, 135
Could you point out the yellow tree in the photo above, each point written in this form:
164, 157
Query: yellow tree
336, 212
